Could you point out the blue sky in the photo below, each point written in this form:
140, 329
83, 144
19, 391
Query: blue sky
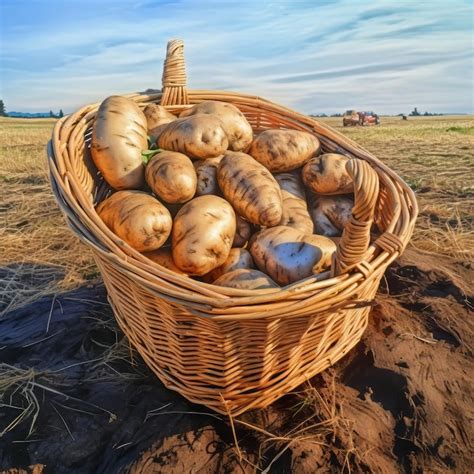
314, 56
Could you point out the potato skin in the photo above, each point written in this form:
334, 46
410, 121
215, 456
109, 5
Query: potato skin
202, 235
330, 214
157, 117
119, 136
206, 171
137, 218
292, 183
198, 136
172, 177
238, 258
246, 279
250, 188
163, 257
243, 232
238, 130
295, 209
284, 150
287, 255
327, 174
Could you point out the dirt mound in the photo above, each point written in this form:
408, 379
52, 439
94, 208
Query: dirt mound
77, 400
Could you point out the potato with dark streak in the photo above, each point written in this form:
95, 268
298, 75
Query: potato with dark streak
163, 257
284, 150
137, 218
250, 188
295, 209
238, 258
246, 279
238, 130
330, 214
243, 232
157, 117
119, 135
202, 235
206, 171
327, 174
287, 255
198, 136
171, 176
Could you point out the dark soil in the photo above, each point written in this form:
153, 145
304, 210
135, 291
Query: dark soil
401, 401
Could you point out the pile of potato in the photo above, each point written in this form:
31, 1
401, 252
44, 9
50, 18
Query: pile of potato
202, 196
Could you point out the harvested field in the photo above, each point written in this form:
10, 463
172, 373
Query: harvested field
76, 399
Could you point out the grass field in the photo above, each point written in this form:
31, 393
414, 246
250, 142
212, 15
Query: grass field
399, 402
435, 155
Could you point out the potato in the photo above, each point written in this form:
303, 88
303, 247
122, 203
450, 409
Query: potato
284, 150
250, 188
163, 257
119, 135
206, 171
202, 235
292, 183
246, 279
171, 176
287, 255
197, 136
327, 174
137, 218
238, 258
157, 117
295, 209
238, 130
243, 232
330, 214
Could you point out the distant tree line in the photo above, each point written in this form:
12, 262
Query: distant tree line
3, 113
413, 113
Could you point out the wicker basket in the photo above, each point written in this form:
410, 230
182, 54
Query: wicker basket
230, 349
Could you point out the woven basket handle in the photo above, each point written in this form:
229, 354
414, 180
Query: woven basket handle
355, 238
174, 75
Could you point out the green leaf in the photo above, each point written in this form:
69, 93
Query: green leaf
147, 155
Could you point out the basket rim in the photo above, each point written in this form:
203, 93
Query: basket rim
201, 298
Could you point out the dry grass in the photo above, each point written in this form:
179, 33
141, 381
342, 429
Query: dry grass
40, 255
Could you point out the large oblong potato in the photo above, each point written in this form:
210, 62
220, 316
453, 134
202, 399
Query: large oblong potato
206, 172
246, 279
197, 136
238, 258
287, 255
163, 257
137, 218
330, 214
250, 188
157, 117
284, 150
171, 176
295, 209
327, 174
119, 135
202, 235
238, 130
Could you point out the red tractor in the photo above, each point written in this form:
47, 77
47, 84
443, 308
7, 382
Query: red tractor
369, 118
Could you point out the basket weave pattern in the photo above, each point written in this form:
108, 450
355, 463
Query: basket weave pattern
231, 349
